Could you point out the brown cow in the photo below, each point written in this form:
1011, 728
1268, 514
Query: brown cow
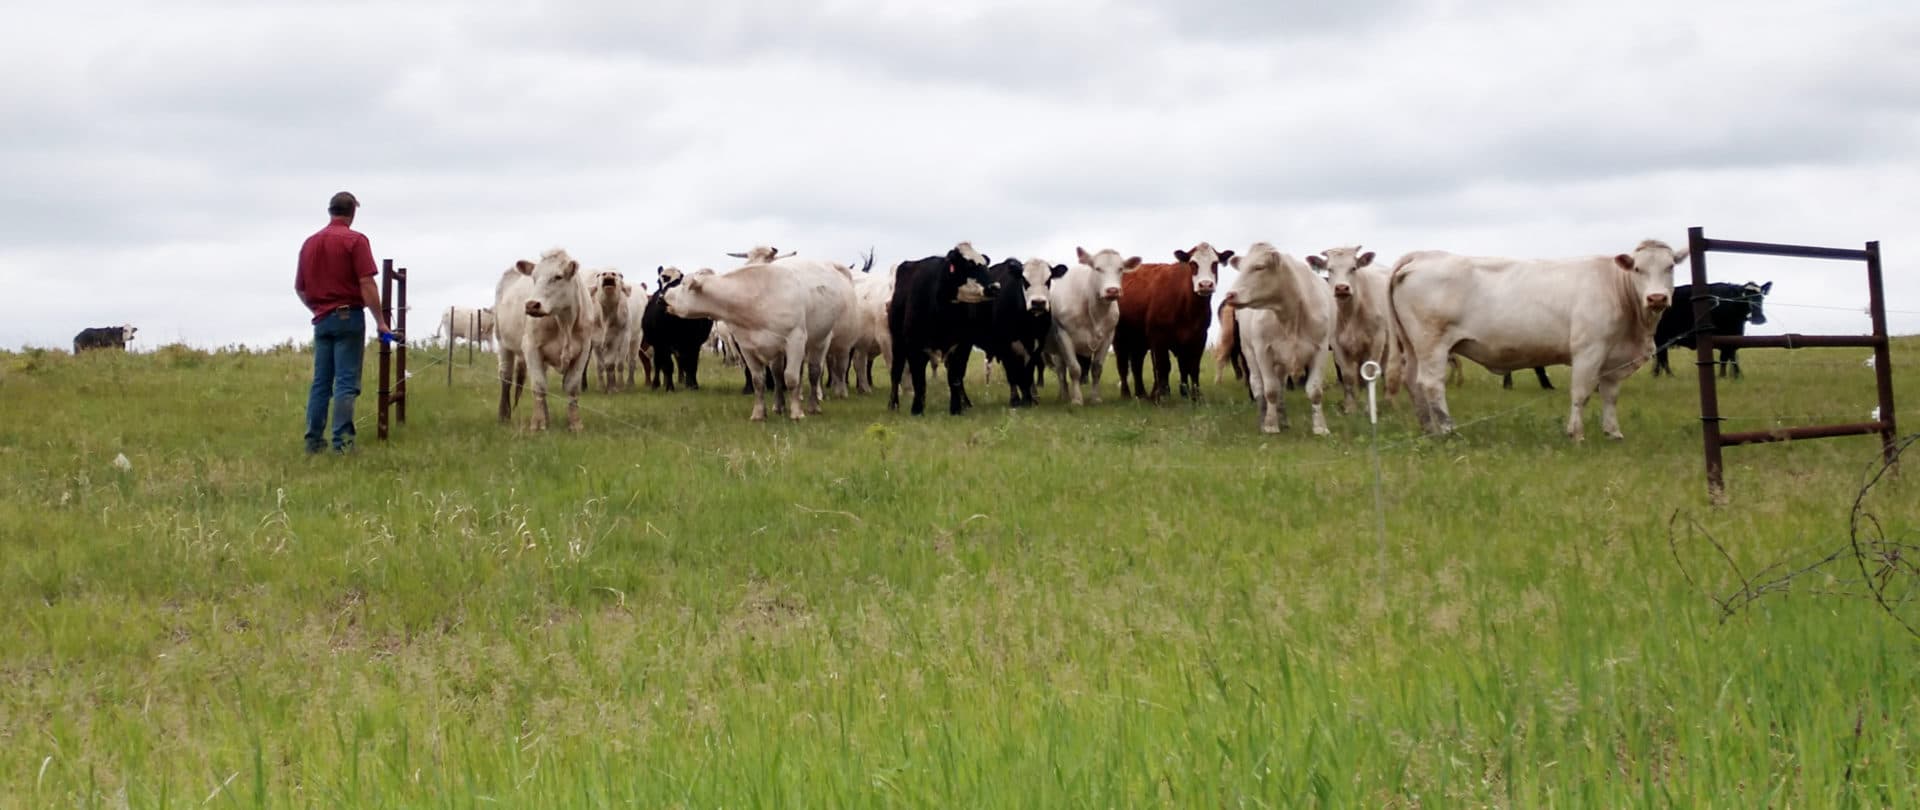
1165, 308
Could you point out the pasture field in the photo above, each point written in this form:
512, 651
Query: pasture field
1118, 606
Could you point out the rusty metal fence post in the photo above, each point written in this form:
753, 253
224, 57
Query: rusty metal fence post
386, 351
400, 350
393, 361
1713, 439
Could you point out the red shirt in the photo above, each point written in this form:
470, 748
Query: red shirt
332, 262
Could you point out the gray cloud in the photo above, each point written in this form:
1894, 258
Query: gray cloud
161, 166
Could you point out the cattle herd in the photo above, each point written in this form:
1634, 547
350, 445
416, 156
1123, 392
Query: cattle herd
804, 329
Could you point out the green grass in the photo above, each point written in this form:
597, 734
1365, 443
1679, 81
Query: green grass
1123, 605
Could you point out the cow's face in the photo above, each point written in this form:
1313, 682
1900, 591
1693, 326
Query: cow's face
1107, 267
1754, 294
967, 275
684, 297
1204, 262
555, 285
126, 332
1339, 265
608, 284
1037, 276
1265, 278
668, 277
1649, 270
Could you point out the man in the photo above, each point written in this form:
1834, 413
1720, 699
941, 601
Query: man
335, 281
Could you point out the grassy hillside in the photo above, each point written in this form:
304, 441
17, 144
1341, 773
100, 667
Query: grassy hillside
1122, 605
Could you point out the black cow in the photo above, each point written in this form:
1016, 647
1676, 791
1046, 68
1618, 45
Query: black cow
672, 337
930, 313
1012, 325
103, 337
1734, 306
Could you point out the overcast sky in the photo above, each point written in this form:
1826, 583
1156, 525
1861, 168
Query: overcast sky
160, 164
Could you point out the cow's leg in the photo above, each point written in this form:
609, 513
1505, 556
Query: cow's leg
690, 365
1347, 372
791, 373
917, 377
1429, 388
1316, 386
957, 379
1540, 373
537, 371
1096, 366
1586, 377
1267, 391
572, 381
1506, 381
756, 380
1066, 366
508, 363
816, 374
1609, 416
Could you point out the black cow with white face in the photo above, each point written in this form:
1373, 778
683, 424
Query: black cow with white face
103, 337
931, 313
1734, 306
1012, 325
672, 337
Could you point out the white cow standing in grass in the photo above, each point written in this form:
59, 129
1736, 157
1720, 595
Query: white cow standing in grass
546, 318
781, 315
1284, 315
612, 299
1085, 303
467, 323
1363, 328
1596, 313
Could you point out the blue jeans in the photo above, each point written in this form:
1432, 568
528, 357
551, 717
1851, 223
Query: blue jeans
339, 343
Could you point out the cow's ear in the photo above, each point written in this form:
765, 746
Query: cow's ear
1059, 270
1181, 256
1234, 262
694, 283
571, 268
1366, 258
1766, 288
1226, 256
1081, 254
525, 267
986, 260
1680, 256
1130, 263
1319, 262
1625, 261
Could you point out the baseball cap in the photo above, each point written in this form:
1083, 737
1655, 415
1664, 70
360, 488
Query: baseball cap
342, 203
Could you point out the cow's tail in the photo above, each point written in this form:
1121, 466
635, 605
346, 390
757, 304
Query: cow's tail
1227, 354
1397, 332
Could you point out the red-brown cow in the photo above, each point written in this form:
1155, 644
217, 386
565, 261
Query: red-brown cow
1166, 308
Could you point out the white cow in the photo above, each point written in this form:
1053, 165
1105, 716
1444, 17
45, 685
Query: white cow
867, 336
635, 353
782, 316
1363, 328
1284, 314
850, 337
1086, 309
546, 317
1596, 313
613, 299
467, 323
